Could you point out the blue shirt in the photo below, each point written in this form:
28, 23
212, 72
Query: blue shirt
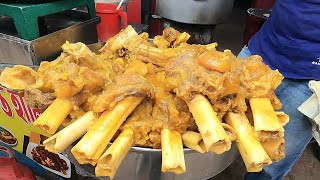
290, 39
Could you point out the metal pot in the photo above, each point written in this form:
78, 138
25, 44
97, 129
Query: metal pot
195, 11
145, 164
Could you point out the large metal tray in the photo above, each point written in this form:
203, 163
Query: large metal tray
145, 163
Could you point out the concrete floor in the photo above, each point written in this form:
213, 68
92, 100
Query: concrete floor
230, 36
307, 168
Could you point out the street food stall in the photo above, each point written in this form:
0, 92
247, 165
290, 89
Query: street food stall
132, 107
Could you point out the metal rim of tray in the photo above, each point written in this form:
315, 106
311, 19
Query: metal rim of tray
87, 170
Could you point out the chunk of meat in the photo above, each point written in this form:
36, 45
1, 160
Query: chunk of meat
215, 61
122, 37
161, 42
226, 80
141, 122
170, 34
76, 70
20, 77
125, 85
165, 110
182, 38
84, 57
131, 82
260, 81
68, 80
168, 109
38, 99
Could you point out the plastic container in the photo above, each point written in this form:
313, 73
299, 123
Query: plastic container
10, 169
111, 19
